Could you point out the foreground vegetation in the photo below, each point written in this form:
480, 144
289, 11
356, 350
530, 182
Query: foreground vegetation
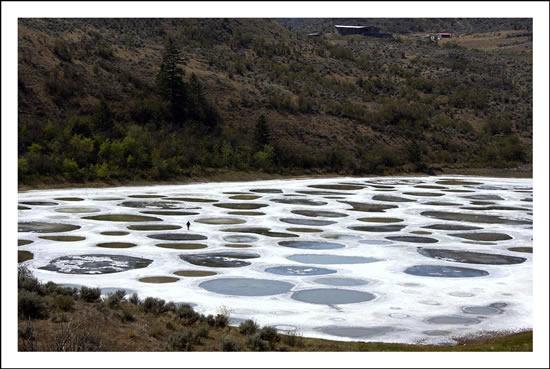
160, 99
53, 318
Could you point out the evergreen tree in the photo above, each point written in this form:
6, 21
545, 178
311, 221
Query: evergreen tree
170, 83
262, 134
103, 117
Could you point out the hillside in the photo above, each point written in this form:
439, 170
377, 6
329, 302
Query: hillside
260, 95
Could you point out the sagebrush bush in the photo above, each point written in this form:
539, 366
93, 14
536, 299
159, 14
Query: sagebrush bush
30, 305
221, 320
228, 344
134, 299
187, 313
256, 343
26, 281
90, 294
153, 305
248, 327
64, 302
269, 334
181, 341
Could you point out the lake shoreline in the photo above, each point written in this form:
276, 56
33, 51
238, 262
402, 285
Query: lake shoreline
242, 176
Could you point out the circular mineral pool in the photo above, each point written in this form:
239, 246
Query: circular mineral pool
331, 259
159, 279
413, 239
63, 238
341, 282
152, 204
444, 271
95, 264
307, 222
177, 236
331, 296
181, 245
481, 310
341, 236
220, 220
453, 320
487, 236
294, 201
115, 233
470, 257
220, 259
38, 203
153, 227
241, 205
75, 210
356, 332
240, 239
452, 227
123, 218
116, 245
378, 228
389, 198
312, 245
43, 227
246, 286
319, 213
380, 220
299, 270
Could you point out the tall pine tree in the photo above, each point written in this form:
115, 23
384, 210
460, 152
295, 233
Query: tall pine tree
170, 83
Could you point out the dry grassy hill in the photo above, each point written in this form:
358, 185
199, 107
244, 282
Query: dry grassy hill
350, 104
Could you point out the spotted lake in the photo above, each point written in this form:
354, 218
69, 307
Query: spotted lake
394, 259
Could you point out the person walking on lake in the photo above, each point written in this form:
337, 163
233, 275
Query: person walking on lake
188, 225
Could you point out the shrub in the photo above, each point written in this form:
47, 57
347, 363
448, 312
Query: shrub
134, 299
126, 315
256, 343
210, 320
31, 306
269, 334
26, 281
202, 331
64, 302
187, 313
53, 289
221, 320
90, 294
248, 327
170, 306
27, 339
113, 300
181, 341
228, 344
153, 305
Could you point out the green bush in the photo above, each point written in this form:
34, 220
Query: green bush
221, 320
153, 305
228, 344
31, 306
90, 294
64, 302
269, 334
248, 327
181, 341
187, 313
26, 281
134, 299
256, 343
